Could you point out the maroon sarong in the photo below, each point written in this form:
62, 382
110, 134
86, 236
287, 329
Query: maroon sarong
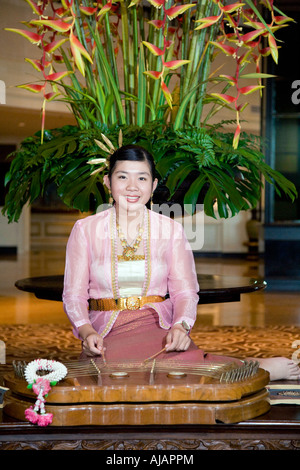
137, 335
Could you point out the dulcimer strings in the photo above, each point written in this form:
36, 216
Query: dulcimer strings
230, 371
214, 369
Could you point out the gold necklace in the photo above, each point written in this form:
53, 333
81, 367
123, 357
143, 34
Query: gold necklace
130, 250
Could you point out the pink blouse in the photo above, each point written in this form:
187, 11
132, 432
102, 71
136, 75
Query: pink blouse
91, 270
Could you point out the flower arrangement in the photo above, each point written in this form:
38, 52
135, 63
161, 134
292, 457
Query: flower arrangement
144, 67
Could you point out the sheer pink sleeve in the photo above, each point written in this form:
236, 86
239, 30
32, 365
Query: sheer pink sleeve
183, 284
76, 279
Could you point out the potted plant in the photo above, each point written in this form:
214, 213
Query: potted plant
141, 69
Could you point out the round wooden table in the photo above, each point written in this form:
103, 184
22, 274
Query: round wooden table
213, 288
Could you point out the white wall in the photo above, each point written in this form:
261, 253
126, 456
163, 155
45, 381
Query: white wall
16, 234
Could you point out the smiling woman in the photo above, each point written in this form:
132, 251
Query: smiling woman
138, 253
131, 180
130, 284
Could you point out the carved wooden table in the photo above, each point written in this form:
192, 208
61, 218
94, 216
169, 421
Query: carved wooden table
213, 288
278, 429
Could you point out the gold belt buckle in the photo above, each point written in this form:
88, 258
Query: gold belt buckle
133, 302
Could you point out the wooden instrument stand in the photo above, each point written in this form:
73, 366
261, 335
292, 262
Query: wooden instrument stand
132, 400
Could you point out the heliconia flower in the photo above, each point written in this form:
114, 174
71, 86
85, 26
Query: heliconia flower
51, 96
224, 97
265, 51
273, 47
174, 64
107, 7
78, 51
255, 24
34, 38
246, 90
67, 4
57, 25
208, 21
228, 50
236, 137
175, 11
60, 11
241, 107
58, 58
157, 3
157, 23
166, 93
52, 46
58, 75
154, 74
36, 8
252, 35
154, 49
36, 64
87, 10
232, 7
252, 44
33, 87
282, 19
167, 44
232, 80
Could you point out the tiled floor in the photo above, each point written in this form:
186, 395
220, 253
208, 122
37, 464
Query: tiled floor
258, 309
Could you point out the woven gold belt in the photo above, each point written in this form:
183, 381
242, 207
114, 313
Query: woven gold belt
124, 303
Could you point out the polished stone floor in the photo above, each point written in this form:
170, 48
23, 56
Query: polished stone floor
264, 308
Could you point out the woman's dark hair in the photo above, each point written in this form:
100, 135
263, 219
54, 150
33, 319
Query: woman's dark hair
133, 153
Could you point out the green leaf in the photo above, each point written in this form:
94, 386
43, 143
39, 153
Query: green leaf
192, 195
142, 84
256, 11
179, 120
177, 177
257, 75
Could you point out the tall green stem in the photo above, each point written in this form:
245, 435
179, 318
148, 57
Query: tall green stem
126, 61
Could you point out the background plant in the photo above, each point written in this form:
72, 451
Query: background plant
145, 69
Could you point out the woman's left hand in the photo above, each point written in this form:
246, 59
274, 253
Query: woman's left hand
177, 339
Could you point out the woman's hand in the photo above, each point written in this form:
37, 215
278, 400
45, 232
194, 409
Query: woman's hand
92, 342
177, 339
93, 345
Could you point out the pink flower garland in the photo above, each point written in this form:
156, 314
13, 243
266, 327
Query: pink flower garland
41, 387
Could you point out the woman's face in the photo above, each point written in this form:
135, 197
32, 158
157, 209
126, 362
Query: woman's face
131, 184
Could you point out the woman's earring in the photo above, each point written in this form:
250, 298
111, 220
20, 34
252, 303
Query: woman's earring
110, 200
151, 202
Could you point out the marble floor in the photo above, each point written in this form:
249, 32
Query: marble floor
264, 308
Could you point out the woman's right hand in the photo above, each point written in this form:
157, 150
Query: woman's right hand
93, 345
92, 342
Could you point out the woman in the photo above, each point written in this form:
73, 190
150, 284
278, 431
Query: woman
140, 258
